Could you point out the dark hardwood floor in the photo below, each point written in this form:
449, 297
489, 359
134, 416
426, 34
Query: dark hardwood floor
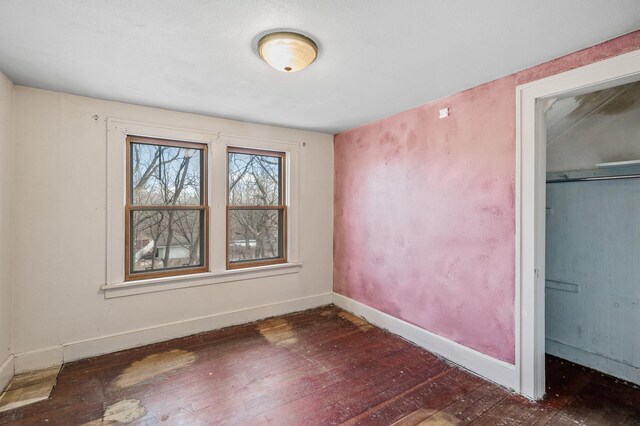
321, 366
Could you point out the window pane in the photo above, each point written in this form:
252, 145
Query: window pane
255, 235
164, 239
165, 175
254, 180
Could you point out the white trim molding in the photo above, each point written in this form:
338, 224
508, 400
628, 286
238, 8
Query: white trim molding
483, 365
531, 100
7, 369
153, 285
117, 132
73, 351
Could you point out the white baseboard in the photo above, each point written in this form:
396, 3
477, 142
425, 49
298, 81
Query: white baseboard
6, 371
73, 351
41, 358
483, 365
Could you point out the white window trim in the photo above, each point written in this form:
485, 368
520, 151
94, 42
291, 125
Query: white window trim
117, 132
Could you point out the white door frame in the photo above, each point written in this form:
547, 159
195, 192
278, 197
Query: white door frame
531, 101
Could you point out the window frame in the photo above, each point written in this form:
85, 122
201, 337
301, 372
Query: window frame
218, 136
129, 275
282, 207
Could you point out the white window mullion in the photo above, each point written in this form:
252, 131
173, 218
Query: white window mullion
217, 197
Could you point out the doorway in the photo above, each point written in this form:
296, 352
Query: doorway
532, 102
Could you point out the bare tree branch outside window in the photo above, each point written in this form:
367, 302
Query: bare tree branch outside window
166, 207
256, 212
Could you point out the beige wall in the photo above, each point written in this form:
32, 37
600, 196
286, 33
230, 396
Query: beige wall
60, 228
6, 106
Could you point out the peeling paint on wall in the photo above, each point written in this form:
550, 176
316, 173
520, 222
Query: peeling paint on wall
597, 127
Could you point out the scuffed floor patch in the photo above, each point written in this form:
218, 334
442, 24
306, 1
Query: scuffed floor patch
278, 331
28, 388
123, 412
152, 366
360, 322
424, 417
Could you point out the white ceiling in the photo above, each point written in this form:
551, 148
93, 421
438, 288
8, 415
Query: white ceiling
377, 57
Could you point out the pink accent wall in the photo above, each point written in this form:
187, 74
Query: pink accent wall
424, 219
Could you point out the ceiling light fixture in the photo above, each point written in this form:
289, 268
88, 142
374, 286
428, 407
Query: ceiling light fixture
287, 51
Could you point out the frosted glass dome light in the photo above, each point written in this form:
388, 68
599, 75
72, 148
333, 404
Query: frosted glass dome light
287, 51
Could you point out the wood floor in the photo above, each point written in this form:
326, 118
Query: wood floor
322, 366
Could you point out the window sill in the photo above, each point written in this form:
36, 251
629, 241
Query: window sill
130, 288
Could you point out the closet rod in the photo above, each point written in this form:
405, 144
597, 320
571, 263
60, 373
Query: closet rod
585, 179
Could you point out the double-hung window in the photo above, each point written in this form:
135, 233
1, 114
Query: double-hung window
166, 211
167, 227
256, 208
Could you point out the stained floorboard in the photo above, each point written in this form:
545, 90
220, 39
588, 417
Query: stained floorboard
317, 367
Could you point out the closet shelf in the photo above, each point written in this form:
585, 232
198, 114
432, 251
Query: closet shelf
618, 164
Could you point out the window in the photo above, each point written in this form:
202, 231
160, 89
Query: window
256, 208
166, 212
137, 184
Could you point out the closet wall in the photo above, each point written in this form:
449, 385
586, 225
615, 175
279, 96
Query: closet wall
593, 233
